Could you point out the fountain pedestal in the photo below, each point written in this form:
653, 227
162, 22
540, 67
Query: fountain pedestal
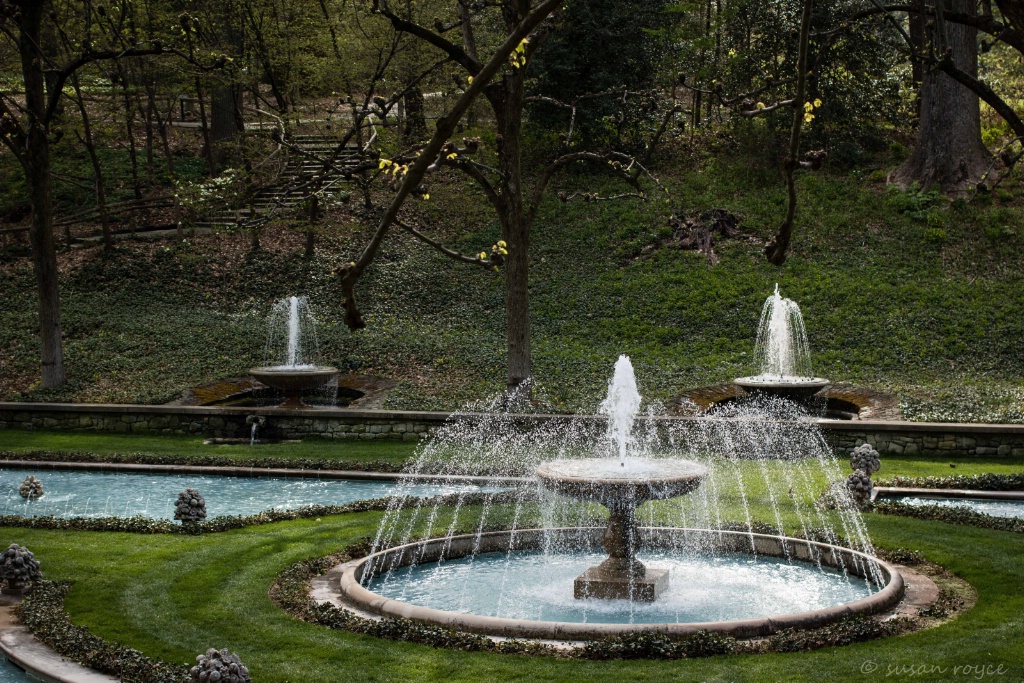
621, 487
621, 576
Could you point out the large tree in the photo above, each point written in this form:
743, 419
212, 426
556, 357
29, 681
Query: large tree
948, 152
513, 196
26, 122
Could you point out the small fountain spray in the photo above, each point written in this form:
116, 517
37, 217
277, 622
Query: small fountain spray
782, 353
295, 373
621, 407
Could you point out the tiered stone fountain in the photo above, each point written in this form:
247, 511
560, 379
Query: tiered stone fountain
295, 375
621, 484
782, 353
526, 580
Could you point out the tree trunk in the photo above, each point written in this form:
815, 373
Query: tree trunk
949, 152
415, 120
225, 120
37, 170
90, 147
508, 110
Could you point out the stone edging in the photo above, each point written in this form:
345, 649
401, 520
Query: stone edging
888, 491
28, 653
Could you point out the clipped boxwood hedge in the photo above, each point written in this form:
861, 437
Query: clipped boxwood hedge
148, 525
42, 611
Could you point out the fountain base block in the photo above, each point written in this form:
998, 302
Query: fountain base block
606, 584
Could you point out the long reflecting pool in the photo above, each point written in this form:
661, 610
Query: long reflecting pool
994, 507
75, 493
540, 587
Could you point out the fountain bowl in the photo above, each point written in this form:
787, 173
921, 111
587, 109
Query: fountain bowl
621, 486
607, 480
343, 585
294, 380
792, 388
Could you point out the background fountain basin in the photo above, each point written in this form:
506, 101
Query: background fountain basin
351, 576
298, 378
782, 386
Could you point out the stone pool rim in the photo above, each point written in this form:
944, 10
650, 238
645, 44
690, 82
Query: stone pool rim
354, 594
887, 492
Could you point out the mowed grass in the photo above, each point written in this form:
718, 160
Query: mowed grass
100, 443
396, 452
172, 597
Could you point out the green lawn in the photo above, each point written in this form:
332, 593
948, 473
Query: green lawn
173, 597
379, 450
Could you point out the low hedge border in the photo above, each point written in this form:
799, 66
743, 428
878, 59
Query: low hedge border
952, 515
42, 611
973, 482
148, 525
291, 592
204, 461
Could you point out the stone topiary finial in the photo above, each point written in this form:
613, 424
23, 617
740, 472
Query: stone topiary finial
190, 507
219, 666
18, 567
865, 457
31, 488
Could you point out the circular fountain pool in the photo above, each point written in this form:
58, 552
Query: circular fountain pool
716, 588
504, 584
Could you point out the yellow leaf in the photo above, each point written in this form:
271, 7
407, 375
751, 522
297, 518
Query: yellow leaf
760, 105
808, 106
817, 103
426, 196
469, 80
452, 155
808, 117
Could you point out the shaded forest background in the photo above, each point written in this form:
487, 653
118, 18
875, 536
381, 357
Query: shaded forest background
638, 161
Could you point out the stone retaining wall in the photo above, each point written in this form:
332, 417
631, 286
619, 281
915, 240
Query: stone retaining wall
215, 422
910, 438
929, 438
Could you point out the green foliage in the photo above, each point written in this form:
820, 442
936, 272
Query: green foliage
598, 45
851, 630
937, 324
914, 202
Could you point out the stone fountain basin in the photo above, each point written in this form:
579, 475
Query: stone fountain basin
785, 387
288, 378
348, 578
637, 480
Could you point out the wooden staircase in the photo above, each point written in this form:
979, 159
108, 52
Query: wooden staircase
302, 175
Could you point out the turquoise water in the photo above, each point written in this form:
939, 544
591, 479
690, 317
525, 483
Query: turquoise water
12, 674
996, 508
535, 586
70, 493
